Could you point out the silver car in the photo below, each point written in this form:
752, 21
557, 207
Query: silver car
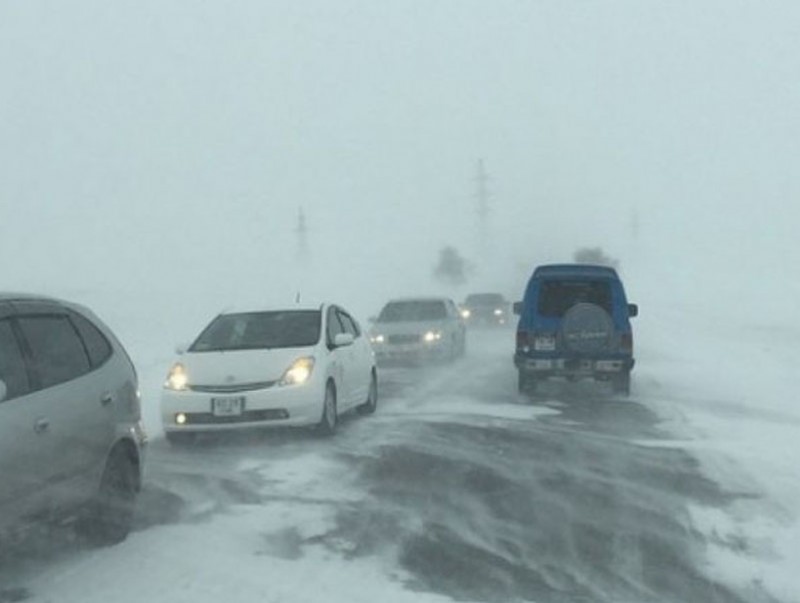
418, 330
71, 437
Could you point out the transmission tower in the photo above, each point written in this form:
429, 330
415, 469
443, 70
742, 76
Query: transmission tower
635, 224
301, 232
482, 196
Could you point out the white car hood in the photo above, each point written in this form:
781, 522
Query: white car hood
240, 366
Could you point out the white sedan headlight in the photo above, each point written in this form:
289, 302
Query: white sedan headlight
177, 379
498, 312
432, 336
465, 313
377, 339
299, 372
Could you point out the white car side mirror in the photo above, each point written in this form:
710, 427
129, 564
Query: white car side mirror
181, 348
343, 339
3, 390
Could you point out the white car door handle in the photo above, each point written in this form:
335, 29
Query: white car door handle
41, 425
106, 399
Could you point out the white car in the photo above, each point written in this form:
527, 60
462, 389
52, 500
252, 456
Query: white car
418, 330
271, 368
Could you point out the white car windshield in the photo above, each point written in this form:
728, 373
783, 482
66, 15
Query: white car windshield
413, 311
260, 330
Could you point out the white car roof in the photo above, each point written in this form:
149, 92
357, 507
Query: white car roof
249, 309
419, 299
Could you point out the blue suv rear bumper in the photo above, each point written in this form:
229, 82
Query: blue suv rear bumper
573, 366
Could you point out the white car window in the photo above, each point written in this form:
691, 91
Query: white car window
260, 330
349, 324
334, 326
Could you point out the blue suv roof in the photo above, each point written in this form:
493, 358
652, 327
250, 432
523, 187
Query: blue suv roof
593, 270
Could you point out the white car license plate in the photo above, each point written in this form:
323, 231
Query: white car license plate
227, 407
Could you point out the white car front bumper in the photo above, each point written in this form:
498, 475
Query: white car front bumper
276, 406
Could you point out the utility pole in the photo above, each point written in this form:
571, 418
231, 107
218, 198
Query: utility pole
301, 232
635, 225
482, 195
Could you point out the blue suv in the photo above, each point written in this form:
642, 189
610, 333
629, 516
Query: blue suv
574, 323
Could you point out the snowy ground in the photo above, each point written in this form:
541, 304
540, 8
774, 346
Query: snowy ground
731, 397
460, 489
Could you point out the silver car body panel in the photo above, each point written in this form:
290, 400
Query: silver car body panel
54, 442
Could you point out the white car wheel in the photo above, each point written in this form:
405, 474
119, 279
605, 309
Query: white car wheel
327, 424
371, 405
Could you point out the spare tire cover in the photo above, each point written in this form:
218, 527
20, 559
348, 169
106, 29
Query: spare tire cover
587, 328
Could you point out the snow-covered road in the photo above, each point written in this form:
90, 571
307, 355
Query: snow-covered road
457, 489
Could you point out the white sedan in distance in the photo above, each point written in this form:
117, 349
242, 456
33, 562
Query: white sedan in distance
418, 330
270, 368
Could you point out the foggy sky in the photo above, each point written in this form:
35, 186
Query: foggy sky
167, 146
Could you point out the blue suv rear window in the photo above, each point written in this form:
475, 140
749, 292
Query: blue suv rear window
558, 296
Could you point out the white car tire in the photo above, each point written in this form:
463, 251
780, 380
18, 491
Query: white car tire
330, 416
371, 405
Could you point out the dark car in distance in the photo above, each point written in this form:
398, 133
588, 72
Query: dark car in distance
486, 309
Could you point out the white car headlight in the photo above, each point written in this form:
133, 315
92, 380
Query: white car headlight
177, 379
432, 336
465, 313
498, 312
377, 339
299, 372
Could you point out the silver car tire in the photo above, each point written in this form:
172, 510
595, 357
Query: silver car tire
110, 515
